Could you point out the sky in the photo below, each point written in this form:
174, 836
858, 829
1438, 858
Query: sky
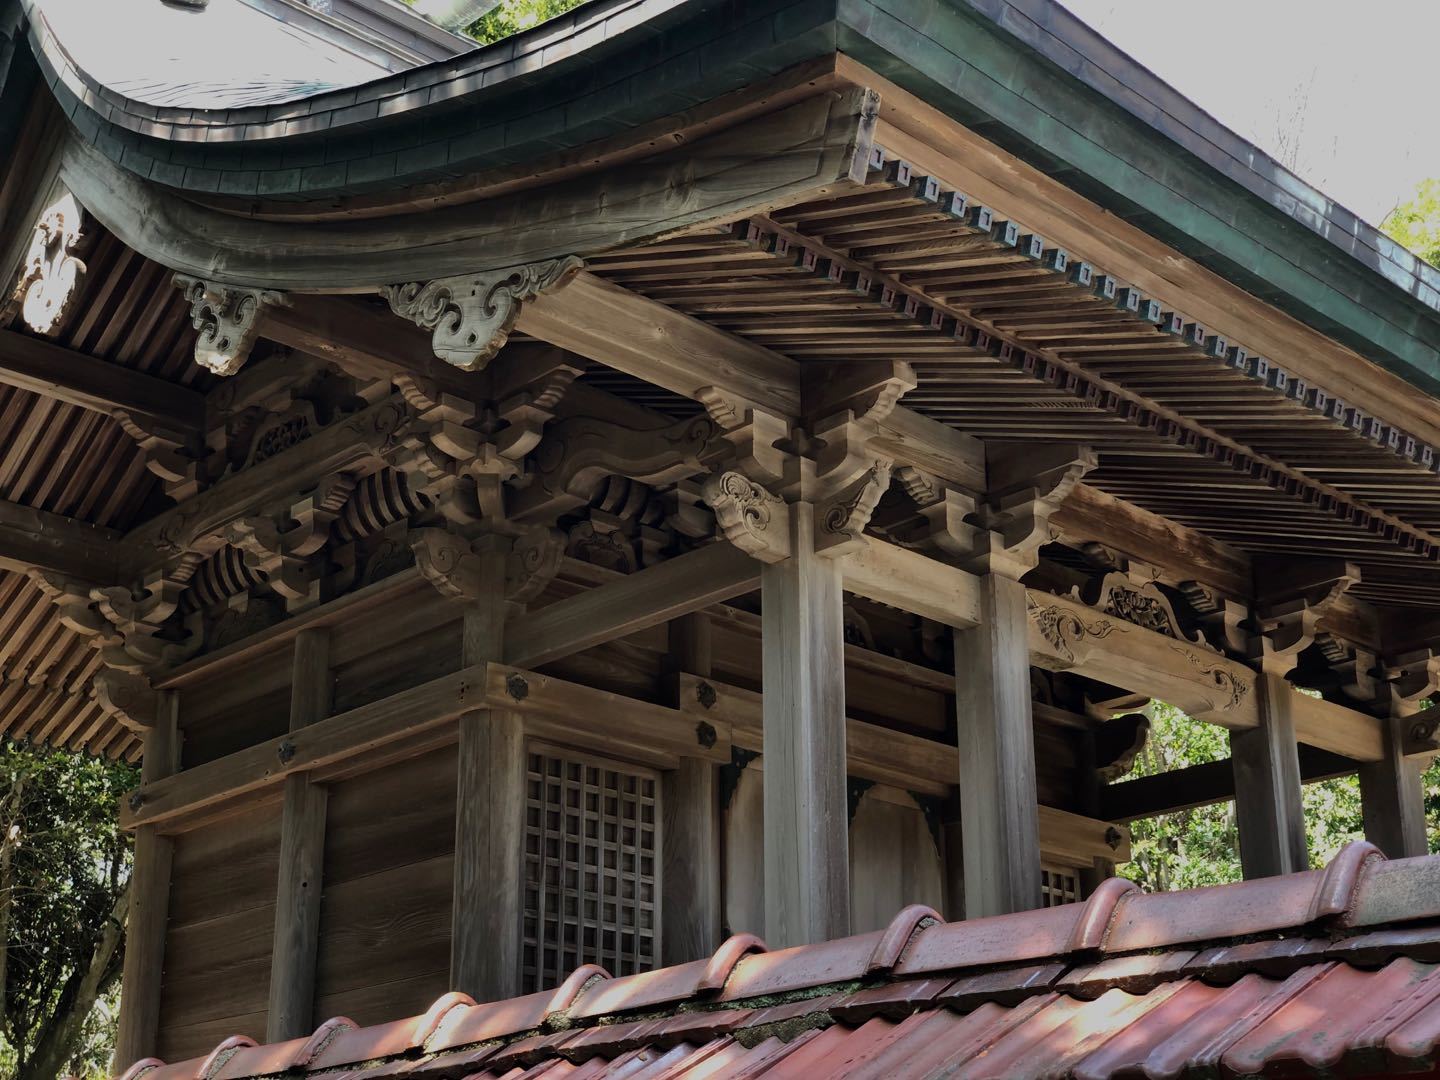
1323, 86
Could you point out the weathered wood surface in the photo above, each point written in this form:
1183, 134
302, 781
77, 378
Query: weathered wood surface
998, 796
872, 752
1268, 812
808, 146
914, 582
807, 889
102, 386
1392, 796
32, 539
690, 582
1077, 838
1065, 635
302, 853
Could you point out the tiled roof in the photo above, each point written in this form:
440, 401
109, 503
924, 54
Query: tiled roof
1333, 971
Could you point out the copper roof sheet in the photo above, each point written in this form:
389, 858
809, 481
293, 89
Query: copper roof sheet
1331, 972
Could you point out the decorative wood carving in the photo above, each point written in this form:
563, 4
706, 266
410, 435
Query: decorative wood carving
51, 272
532, 563
841, 522
1221, 676
751, 431
471, 316
1139, 602
579, 453
446, 560
228, 320
1118, 743
1066, 630
128, 697
1292, 596
749, 516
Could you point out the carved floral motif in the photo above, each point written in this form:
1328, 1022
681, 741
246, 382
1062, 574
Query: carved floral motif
750, 517
1064, 628
1218, 675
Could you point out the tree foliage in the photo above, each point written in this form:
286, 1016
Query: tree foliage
64, 874
1416, 222
1197, 847
512, 16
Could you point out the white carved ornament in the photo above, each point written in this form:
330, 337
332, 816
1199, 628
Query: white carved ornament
51, 273
471, 316
228, 320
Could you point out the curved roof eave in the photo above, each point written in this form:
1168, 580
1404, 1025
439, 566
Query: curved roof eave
1023, 73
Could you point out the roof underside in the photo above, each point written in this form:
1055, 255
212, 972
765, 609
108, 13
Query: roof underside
1318, 974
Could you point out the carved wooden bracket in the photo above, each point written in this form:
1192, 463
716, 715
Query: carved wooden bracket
1127, 596
1292, 596
751, 431
128, 697
471, 316
579, 453
840, 523
750, 517
228, 320
469, 571
51, 272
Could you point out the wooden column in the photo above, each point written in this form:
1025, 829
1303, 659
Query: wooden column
139, 1021
489, 813
302, 855
1266, 761
1392, 798
807, 889
998, 798
690, 837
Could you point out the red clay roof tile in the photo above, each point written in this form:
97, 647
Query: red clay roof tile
1247, 979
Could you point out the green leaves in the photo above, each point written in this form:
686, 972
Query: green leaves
513, 16
1416, 223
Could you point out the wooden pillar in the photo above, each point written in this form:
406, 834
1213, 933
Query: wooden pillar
1392, 797
302, 855
140, 980
998, 817
807, 887
1268, 810
489, 813
690, 838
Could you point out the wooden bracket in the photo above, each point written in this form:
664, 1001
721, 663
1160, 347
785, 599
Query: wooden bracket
128, 697
749, 516
840, 523
471, 316
751, 431
1292, 596
228, 320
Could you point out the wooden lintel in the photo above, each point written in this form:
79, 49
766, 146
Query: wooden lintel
1327, 726
657, 594
409, 721
53, 371
32, 539
1074, 836
873, 752
915, 583
1201, 785
1066, 635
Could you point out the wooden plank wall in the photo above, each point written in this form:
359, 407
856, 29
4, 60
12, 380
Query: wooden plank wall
221, 927
385, 910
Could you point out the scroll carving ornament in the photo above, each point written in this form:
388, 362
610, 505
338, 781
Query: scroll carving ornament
749, 516
842, 522
1064, 629
1232, 687
471, 316
227, 318
48, 281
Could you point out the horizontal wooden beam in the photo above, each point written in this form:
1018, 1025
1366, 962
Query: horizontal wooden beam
32, 539
1066, 635
913, 582
1201, 785
631, 333
53, 371
872, 752
690, 582
1075, 837
1328, 726
412, 721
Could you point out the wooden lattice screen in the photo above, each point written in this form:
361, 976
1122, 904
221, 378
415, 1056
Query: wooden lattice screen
1058, 885
592, 841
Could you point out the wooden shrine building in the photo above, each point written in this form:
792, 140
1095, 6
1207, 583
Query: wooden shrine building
688, 468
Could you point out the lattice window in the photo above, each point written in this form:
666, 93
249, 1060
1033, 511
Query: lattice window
1058, 885
592, 842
